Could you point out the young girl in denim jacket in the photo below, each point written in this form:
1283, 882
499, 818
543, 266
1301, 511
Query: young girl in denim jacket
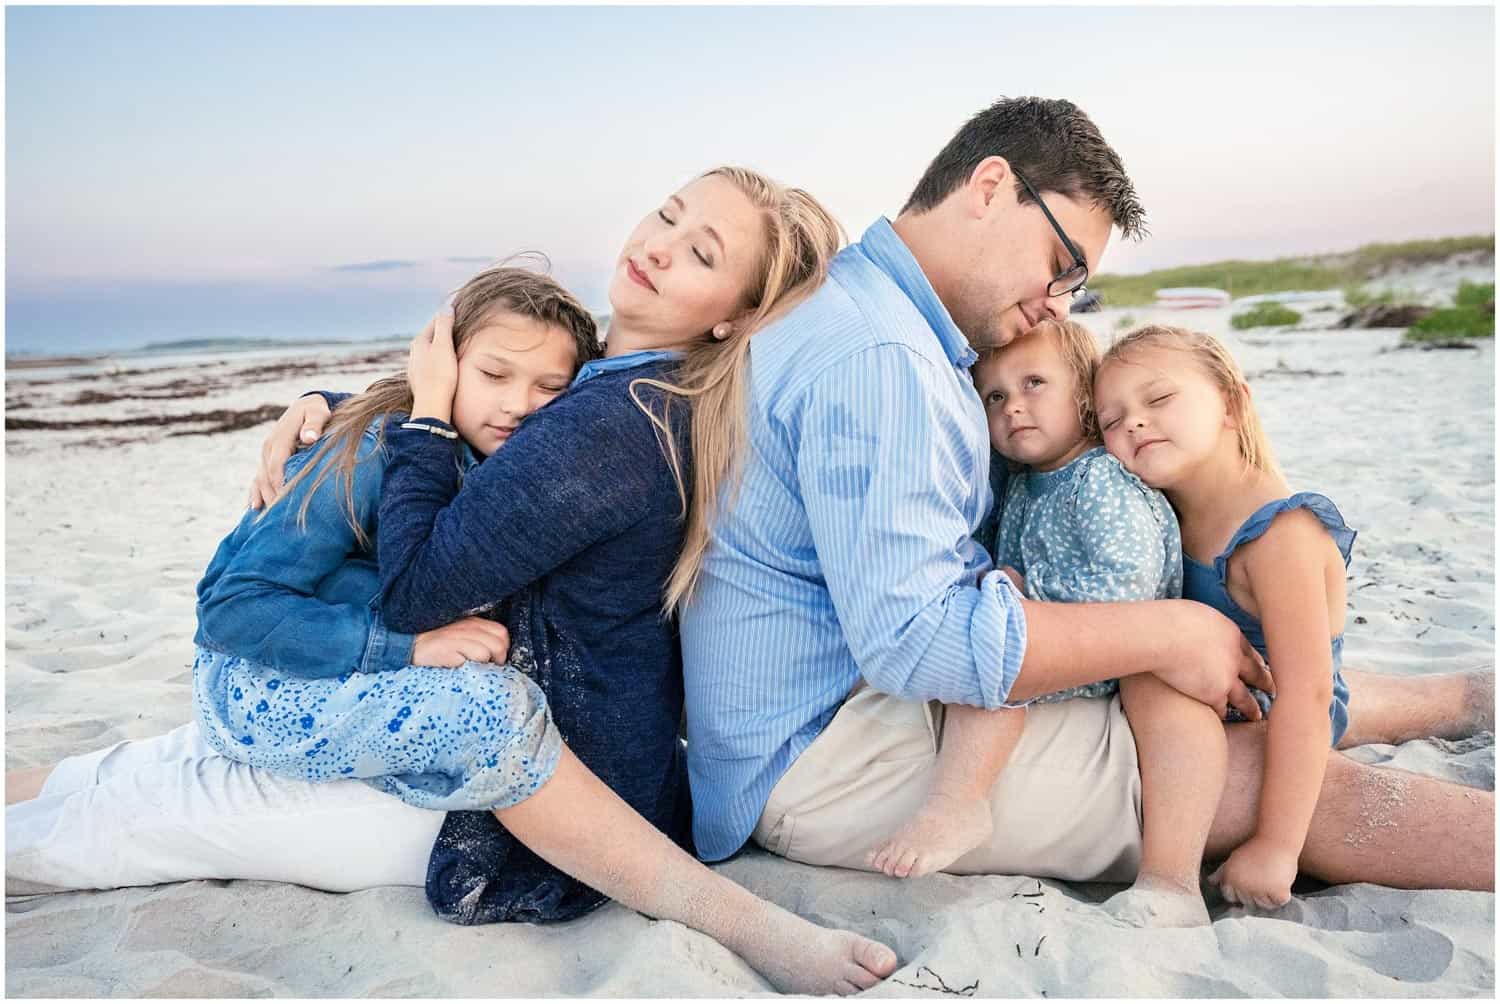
1076, 527
1176, 411
294, 671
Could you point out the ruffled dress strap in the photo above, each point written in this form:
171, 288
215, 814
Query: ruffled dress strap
1259, 522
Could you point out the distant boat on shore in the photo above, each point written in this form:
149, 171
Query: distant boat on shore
1191, 297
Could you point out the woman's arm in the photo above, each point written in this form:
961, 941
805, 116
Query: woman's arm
1287, 569
263, 605
581, 470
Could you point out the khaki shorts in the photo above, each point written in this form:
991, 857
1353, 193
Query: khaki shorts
1067, 805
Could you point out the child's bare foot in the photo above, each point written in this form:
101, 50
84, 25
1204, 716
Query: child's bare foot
799, 957
944, 829
1158, 902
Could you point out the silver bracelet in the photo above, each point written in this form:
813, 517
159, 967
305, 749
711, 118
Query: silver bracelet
436, 430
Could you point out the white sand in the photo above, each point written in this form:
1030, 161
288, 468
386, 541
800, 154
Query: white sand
105, 542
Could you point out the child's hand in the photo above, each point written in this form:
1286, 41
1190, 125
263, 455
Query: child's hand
472, 639
1258, 873
1015, 577
432, 369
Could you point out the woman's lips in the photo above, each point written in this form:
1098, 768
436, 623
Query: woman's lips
637, 276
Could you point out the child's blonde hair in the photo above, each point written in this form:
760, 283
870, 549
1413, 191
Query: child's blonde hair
801, 237
1215, 360
1080, 354
501, 289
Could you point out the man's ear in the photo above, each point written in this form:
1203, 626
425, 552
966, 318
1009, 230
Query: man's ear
991, 178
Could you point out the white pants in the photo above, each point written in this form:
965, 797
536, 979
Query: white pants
170, 809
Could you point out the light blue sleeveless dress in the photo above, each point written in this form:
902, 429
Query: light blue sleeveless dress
1208, 584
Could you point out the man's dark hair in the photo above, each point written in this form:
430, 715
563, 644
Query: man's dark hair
1053, 145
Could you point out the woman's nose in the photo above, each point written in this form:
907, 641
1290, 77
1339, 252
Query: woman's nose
659, 253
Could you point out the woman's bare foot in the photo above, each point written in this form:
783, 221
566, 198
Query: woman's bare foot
1158, 902
945, 829
24, 785
799, 957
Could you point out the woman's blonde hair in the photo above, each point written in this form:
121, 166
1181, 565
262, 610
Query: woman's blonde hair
501, 289
1079, 350
1215, 360
801, 237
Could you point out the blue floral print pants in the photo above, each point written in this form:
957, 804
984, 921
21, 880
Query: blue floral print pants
475, 737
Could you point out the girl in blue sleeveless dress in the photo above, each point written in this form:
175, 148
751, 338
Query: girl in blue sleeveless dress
1176, 411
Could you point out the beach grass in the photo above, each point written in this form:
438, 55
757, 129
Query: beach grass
1247, 278
1471, 316
1265, 315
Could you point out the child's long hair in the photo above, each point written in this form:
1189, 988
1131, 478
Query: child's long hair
801, 237
1079, 350
503, 288
1216, 361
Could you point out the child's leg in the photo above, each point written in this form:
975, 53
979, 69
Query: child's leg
580, 826
1384, 708
956, 817
475, 736
1183, 756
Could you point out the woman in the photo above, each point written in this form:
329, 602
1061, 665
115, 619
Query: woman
581, 550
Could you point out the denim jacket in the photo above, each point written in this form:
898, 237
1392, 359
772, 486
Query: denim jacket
306, 601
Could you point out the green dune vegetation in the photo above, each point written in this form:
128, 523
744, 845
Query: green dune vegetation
1471, 316
1247, 278
1265, 315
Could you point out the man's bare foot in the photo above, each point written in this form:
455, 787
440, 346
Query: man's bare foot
1156, 902
1480, 699
943, 830
799, 957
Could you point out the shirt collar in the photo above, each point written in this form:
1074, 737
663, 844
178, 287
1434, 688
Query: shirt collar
628, 360
889, 252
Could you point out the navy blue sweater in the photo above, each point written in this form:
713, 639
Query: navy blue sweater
575, 525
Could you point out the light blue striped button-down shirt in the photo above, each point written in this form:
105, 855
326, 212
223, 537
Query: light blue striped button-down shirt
846, 552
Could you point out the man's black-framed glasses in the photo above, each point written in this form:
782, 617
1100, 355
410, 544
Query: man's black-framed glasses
1071, 279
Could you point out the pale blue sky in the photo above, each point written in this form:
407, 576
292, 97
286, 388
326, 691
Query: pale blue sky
198, 172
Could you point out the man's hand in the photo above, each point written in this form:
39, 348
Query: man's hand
300, 425
1258, 873
1215, 663
473, 639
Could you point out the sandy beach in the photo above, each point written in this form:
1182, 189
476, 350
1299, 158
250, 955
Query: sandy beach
121, 481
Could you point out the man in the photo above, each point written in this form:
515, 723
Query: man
845, 558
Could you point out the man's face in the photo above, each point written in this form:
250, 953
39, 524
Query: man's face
1013, 254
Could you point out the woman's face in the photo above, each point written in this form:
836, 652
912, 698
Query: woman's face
507, 369
687, 265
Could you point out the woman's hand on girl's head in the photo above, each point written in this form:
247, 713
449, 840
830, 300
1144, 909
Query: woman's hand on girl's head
472, 639
300, 425
432, 369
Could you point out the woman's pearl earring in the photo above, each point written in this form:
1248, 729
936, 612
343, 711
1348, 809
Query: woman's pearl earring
722, 331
